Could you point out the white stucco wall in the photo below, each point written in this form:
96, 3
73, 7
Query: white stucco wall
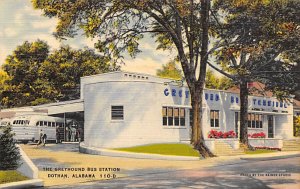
142, 122
144, 96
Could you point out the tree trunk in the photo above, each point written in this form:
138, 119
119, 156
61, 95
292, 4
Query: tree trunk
197, 89
197, 138
244, 114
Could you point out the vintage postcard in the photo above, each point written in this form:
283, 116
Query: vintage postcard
149, 94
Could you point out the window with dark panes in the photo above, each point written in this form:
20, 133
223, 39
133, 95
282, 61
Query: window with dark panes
164, 115
176, 116
182, 117
170, 116
252, 121
249, 120
256, 121
260, 121
214, 118
117, 113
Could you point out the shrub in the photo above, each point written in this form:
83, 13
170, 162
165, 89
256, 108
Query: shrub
9, 152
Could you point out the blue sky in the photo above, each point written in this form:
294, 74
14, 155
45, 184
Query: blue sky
19, 22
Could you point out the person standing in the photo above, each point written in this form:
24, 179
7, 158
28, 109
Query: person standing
57, 135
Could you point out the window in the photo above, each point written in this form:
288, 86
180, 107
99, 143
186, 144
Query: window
182, 117
176, 116
214, 118
255, 120
170, 116
165, 116
117, 113
173, 116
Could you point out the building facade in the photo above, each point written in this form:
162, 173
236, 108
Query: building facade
128, 109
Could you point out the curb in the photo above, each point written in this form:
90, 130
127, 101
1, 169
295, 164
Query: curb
23, 184
115, 153
270, 157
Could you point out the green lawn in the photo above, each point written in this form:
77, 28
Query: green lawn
163, 149
260, 151
11, 176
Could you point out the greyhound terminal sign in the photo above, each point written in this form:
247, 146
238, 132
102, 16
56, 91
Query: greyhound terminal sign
233, 99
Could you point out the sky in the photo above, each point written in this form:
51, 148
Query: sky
19, 22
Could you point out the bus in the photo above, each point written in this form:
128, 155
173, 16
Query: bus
28, 128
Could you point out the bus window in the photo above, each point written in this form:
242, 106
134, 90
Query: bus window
49, 124
45, 123
53, 124
37, 123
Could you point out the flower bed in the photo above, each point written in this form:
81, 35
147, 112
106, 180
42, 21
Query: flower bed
257, 135
220, 134
268, 148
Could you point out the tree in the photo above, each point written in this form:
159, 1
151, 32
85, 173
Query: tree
170, 71
214, 82
258, 41
32, 75
120, 24
22, 68
297, 126
9, 152
63, 68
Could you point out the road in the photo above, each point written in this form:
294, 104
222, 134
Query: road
281, 173
232, 173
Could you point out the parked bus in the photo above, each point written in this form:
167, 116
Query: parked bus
28, 128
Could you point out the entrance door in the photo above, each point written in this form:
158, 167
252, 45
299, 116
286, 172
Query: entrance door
270, 126
236, 123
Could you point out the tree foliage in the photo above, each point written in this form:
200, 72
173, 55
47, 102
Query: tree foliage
257, 41
32, 75
215, 82
9, 152
297, 126
170, 71
182, 25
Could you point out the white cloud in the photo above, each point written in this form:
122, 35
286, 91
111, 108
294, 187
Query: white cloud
3, 53
51, 40
46, 23
89, 42
143, 65
10, 32
28, 9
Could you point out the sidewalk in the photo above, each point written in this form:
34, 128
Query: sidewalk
270, 156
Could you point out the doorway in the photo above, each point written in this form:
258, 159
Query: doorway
270, 126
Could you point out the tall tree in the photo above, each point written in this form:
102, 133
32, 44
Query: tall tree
258, 41
22, 68
120, 24
170, 71
64, 67
34, 76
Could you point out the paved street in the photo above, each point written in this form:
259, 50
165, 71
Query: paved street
227, 172
283, 173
